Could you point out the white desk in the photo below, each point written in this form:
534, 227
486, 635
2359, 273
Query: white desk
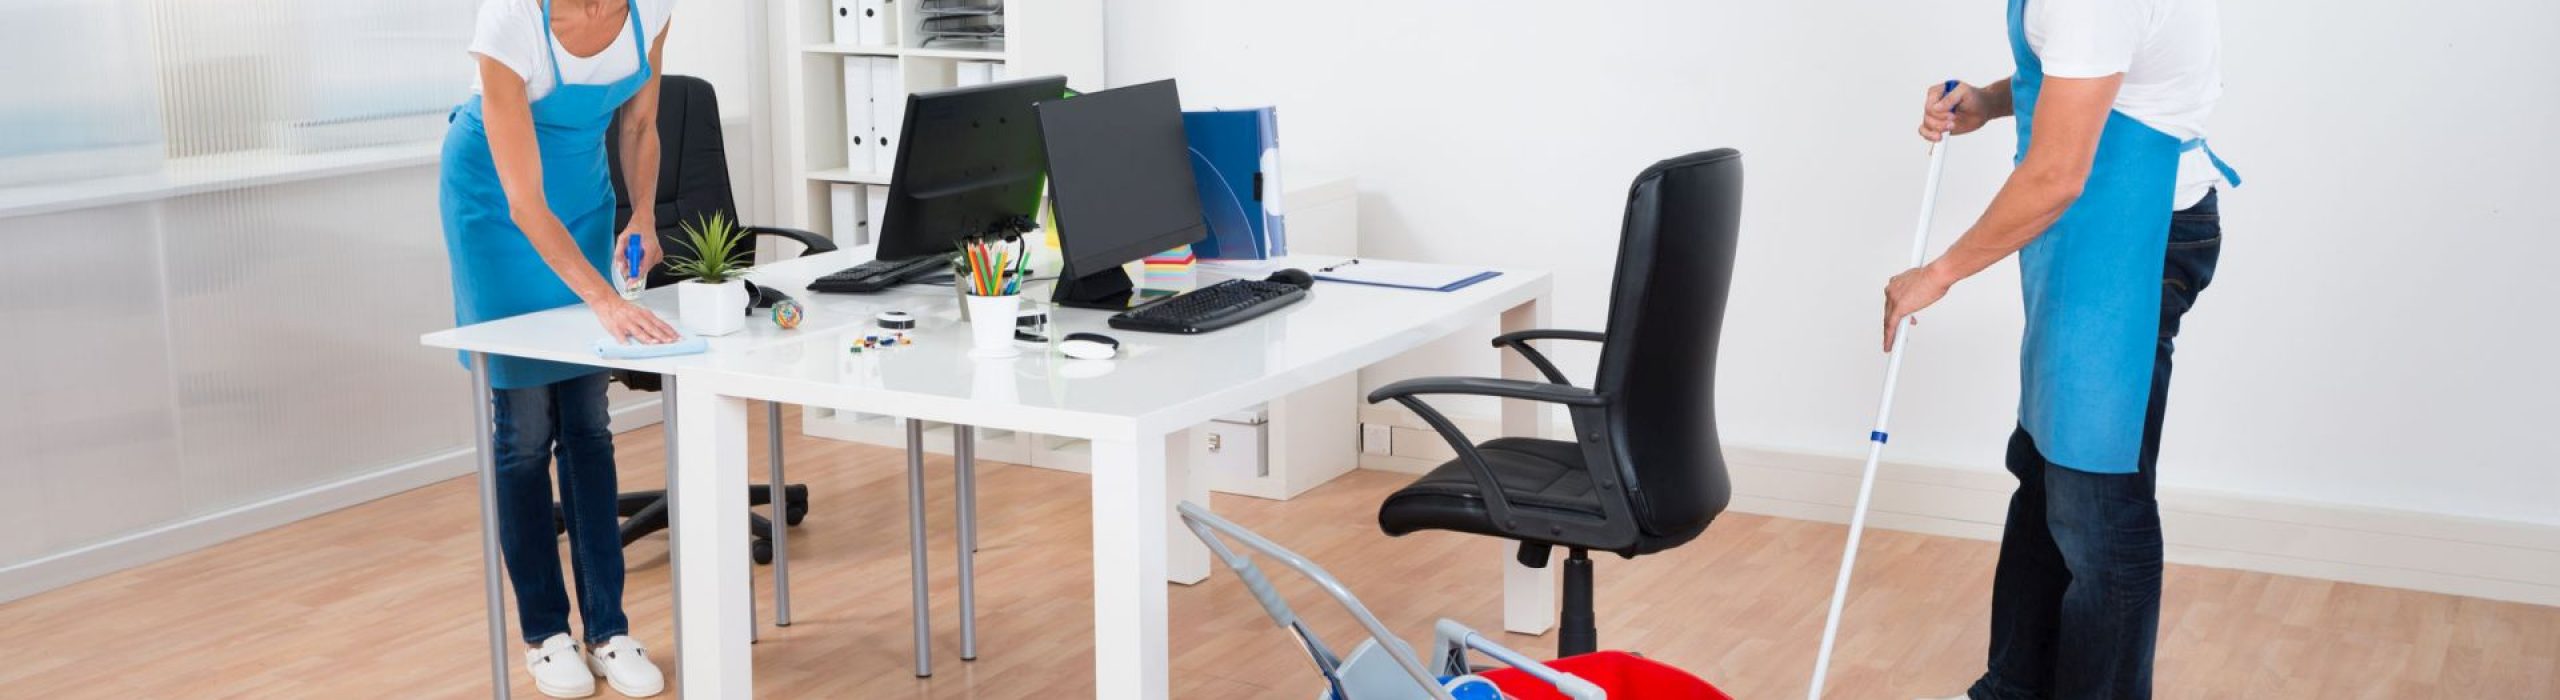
1129, 408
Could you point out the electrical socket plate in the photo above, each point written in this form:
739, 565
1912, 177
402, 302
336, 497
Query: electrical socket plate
1377, 439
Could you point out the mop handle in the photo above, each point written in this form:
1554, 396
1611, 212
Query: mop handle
1884, 413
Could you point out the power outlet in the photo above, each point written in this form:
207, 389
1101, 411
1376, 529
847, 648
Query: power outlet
1377, 439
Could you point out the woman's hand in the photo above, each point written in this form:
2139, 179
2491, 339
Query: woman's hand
650, 254
628, 322
1958, 112
1908, 293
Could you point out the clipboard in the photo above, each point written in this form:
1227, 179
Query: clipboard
1405, 275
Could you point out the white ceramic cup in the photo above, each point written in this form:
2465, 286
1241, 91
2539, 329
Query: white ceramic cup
991, 321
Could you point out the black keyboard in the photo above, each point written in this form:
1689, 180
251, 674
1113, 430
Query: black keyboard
1209, 308
879, 274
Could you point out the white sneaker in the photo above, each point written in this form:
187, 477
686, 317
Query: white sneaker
558, 669
626, 666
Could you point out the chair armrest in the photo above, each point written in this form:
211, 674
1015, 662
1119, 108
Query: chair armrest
1497, 503
1519, 340
1515, 337
816, 243
1479, 386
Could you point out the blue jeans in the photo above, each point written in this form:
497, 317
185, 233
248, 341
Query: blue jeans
567, 419
2075, 604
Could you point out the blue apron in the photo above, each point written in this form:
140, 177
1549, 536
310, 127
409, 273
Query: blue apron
2092, 286
496, 273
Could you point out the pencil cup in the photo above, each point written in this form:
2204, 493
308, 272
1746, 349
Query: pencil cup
991, 322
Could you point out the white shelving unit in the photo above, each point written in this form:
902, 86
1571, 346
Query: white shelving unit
1042, 37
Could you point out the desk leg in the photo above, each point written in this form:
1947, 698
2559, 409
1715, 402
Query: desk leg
675, 553
964, 477
1528, 595
1186, 557
775, 492
710, 527
489, 563
922, 602
1131, 638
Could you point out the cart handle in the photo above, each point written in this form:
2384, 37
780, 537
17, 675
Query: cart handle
1451, 640
1203, 523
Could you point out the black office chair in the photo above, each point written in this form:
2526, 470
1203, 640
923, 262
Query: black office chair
1644, 471
693, 182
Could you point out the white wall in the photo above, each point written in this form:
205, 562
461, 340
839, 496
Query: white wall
2378, 336
714, 41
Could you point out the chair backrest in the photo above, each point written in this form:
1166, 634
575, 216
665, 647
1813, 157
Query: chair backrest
693, 164
1675, 265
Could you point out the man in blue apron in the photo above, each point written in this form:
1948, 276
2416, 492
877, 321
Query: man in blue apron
2112, 211
528, 222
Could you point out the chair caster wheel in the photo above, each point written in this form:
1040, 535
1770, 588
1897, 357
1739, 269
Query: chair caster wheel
793, 515
763, 551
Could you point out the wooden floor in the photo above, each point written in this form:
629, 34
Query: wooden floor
383, 601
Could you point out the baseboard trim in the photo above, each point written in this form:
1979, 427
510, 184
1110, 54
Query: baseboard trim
182, 536
634, 414
2499, 560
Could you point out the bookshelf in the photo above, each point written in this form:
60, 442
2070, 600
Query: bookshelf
1043, 37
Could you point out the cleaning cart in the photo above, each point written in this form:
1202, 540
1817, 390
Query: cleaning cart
1383, 667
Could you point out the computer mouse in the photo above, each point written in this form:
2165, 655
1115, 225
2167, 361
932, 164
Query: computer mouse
1089, 346
1293, 277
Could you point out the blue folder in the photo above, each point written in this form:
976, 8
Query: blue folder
1235, 158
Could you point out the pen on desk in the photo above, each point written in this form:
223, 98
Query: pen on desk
1339, 265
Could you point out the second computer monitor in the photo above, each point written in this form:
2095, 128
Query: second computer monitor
969, 161
1120, 175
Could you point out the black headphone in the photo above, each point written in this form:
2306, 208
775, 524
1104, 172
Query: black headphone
760, 297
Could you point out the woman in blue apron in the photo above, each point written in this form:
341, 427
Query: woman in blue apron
528, 220
2114, 240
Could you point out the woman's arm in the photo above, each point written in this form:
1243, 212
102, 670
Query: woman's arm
639, 137
508, 115
2070, 114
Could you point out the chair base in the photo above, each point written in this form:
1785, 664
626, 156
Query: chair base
1577, 629
1577, 625
645, 513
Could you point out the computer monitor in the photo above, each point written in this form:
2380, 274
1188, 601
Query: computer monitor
969, 161
1120, 177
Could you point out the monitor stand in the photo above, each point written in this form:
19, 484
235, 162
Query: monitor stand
1109, 290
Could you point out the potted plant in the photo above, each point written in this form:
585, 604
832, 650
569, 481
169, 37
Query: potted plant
713, 298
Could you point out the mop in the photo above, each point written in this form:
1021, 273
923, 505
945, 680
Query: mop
1884, 410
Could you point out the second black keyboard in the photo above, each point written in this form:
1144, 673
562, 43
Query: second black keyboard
1209, 308
877, 275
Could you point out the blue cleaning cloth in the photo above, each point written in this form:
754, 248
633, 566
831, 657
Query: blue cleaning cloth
686, 344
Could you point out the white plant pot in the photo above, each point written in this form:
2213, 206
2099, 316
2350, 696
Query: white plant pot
706, 309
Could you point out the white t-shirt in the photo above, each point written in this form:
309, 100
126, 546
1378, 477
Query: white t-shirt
2170, 52
512, 31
